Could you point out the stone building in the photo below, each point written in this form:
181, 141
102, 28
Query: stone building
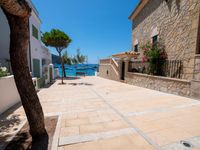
176, 23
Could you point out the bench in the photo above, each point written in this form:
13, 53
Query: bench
80, 74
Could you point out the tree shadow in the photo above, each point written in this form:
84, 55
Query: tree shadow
79, 84
24, 141
72, 78
9, 123
62, 83
8, 120
49, 84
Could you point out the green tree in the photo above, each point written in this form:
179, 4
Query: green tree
59, 40
17, 13
67, 59
79, 58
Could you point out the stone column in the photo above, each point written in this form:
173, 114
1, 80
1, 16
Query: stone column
195, 83
127, 60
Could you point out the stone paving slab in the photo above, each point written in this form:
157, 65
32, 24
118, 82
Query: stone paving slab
99, 114
128, 142
69, 140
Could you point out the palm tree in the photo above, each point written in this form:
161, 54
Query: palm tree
59, 40
79, 58
67, 59
17, 13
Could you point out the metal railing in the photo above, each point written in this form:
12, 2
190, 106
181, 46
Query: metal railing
168, 68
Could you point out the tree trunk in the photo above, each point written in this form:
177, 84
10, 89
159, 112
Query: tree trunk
61, 61
19, 38
63, 68
16, 7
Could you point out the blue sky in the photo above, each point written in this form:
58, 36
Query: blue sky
99, 28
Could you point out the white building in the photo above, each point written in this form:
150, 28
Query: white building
38, 55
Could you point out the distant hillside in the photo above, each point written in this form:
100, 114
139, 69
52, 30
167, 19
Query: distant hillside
55, 59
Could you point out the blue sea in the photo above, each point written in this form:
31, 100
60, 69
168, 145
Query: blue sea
88, 69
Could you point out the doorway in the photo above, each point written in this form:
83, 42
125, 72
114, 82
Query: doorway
123, 71
36, 68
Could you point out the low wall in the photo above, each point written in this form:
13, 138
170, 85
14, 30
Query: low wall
108, 71
164, 84
195, 89
9, 95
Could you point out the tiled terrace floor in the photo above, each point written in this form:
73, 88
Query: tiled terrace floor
99, 114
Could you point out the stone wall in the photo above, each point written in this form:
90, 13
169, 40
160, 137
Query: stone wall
176, 23
108, 71
195, 89
195, 84
163, 84
197, 68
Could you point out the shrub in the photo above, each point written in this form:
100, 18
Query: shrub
156, 56
3, 72
41, 82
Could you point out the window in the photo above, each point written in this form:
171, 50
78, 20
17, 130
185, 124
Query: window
43, 62
155, 40
136, 48
34, 32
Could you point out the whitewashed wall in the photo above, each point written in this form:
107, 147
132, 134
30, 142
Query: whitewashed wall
4, 36
9, 95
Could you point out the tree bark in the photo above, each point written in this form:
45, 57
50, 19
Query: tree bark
63, 68
16, 7
19, 38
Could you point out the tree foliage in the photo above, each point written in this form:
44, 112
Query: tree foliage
76, 59
59, 40
79, 58
67, 59
56, 38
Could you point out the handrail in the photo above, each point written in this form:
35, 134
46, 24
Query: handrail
114, 64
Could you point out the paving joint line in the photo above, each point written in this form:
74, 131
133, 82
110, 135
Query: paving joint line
93, 136
151, 142
160, 110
